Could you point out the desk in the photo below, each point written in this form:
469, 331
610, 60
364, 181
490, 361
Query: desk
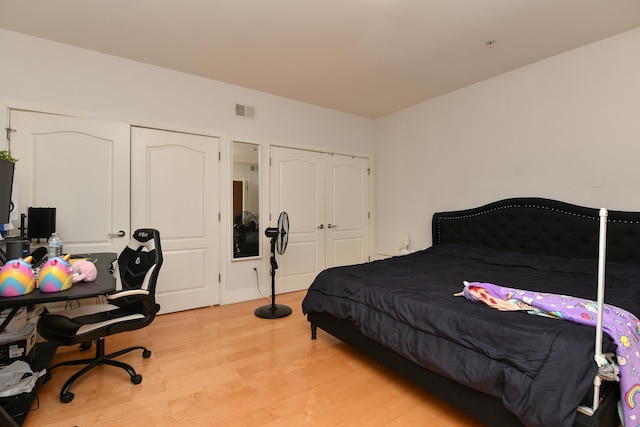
104, 284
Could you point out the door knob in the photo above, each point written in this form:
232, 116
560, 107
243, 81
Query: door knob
321, 226
331, 225
120, 233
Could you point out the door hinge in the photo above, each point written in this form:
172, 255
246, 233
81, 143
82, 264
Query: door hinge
369, 215
219, 156
369, 171
219, 278
9, 130
269, 161
219, 216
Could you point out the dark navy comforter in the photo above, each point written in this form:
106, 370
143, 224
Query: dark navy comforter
541, 368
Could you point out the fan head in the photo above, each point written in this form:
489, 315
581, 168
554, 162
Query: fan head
283, 232
280, 233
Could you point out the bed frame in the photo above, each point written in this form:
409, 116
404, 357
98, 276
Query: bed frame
529, 225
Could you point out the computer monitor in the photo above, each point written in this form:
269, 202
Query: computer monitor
6, 186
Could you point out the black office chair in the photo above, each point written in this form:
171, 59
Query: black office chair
131, 307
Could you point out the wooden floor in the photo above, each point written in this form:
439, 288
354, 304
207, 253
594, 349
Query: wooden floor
223, 366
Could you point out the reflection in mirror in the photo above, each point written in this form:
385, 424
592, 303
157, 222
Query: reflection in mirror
246, 196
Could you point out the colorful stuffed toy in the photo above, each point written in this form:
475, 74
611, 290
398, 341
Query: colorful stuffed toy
17, 278
84, 270
56, 275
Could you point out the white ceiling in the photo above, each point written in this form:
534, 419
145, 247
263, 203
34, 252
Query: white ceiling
365, 57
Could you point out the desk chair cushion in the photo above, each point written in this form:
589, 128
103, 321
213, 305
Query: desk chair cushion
87, 323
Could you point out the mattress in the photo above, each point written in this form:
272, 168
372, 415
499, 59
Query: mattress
540, 368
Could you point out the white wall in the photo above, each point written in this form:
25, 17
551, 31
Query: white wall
45, 76
566, 128
67, 79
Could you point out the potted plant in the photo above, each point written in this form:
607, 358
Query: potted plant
6, 155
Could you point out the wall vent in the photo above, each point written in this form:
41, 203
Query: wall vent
245, 111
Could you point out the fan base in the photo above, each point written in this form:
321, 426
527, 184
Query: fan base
272, 311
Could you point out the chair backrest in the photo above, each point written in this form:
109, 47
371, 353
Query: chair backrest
139, 263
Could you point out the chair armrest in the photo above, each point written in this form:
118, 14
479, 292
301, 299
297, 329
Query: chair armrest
135, 296
129, 293
134, 301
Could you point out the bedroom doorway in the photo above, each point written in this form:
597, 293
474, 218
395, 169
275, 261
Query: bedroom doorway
327, 198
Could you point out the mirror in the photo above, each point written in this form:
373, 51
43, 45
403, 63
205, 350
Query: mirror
246, 198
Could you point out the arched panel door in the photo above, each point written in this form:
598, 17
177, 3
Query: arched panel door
79, 166
347, 210
297, 187
174, 188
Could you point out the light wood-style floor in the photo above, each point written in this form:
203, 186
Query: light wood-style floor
223, 366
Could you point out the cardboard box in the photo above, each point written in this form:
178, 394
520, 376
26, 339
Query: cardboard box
33, 312
18, 322
18, 346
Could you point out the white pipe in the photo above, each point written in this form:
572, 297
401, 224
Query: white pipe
599, 358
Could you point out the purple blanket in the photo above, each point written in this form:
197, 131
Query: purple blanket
622, 326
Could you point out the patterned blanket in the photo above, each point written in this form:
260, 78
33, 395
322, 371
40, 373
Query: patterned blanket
623, 327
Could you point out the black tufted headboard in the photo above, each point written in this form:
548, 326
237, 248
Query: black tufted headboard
541, 226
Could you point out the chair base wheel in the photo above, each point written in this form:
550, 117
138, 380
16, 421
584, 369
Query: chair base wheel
136, 379
66, 397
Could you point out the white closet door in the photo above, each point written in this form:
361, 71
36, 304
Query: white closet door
327, 199
79, 166
174, 188
297, 187
347, 210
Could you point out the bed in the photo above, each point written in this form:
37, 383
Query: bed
504, 369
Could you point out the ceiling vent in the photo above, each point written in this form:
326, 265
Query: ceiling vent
245, 111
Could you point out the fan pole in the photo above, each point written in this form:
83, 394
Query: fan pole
273, 311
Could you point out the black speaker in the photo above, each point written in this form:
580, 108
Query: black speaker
17, 249
41, 222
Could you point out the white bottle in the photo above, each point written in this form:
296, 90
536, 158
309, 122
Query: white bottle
55, 245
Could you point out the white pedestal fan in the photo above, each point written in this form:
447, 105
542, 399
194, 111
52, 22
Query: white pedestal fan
279, 239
